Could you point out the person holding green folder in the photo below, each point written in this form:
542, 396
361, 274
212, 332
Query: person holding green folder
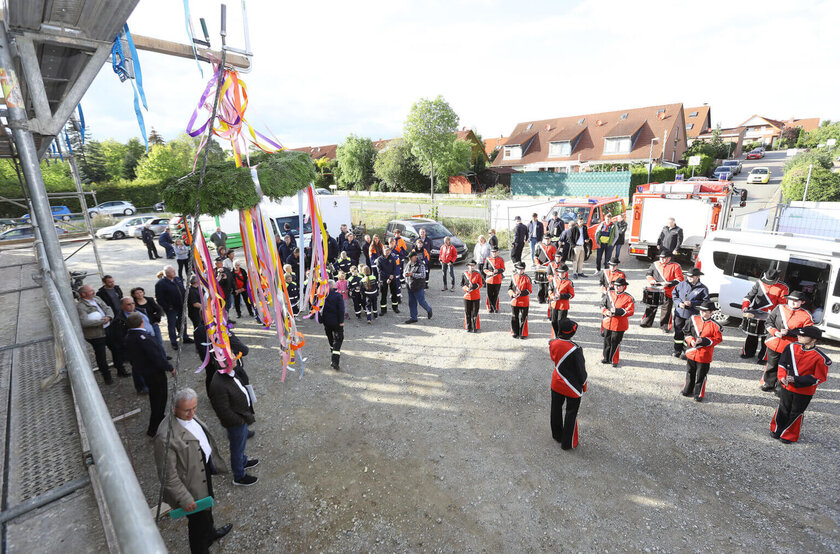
185, 465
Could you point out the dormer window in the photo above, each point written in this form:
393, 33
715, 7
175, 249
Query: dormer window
617, 145
559, 149
693, 114
581, 120
660, 110
689, 127
513, 152
528, 128
624, 115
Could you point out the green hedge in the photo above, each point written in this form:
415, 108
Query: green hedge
639, 176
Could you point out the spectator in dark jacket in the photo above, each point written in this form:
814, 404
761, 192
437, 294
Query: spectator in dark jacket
520, 235
224, 277
233, 406
169, 293
294, 261
332, 316
148, 306
535, 233
342, 236
165, 240
366, 250
671, 237
148, 238
353, 249
555, 228
621, 230
332, 247
112, 295
148, 360
194, 304
284, 248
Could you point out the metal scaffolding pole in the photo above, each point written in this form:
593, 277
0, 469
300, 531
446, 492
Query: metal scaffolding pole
74, 170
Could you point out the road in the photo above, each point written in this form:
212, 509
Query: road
758, 196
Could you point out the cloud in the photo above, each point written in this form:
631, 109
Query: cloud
324, 70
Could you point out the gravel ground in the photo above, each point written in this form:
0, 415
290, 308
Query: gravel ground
432, 439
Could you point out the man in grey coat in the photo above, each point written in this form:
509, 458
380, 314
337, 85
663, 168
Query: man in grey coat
186, 461
95, 317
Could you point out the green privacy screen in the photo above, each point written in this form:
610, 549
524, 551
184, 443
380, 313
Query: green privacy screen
600, 183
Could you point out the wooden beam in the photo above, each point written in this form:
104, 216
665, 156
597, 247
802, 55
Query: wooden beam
179, 50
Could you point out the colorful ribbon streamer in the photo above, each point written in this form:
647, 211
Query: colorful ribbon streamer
231, 122
318, 284
118, 63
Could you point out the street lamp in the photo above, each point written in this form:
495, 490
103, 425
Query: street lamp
650, 156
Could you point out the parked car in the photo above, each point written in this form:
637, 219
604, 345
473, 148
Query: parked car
25, 232
410, 230
124, 228
756, 154
160, 207
322, 191
759, 175
699, 178
59, 213
723, 173
734, 164
157, 225
115, 207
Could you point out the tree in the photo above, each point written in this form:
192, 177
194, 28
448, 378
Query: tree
827, 130
92, 165
355, 157
113, 152
430, 132
155, 139
453, 161
824, 185
790, 136
325, 169
816, 157
397, 168
166, 161
134, 152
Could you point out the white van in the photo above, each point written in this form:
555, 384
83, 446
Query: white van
733, 261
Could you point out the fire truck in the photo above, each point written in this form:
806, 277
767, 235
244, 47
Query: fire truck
698, 207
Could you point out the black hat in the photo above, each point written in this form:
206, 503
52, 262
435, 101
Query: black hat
796, 295
519, 265
220, 259
494, 249
665, 254
614, 261
708, 305
771, 275
564, 268
470, 262
693, 272
620, 282
567, 327
809, 331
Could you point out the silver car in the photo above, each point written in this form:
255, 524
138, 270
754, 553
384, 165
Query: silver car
114, 207
157, 226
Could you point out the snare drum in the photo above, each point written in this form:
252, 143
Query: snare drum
653, 296
754, 327
541, 275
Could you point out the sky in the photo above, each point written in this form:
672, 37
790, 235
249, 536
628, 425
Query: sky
323, 70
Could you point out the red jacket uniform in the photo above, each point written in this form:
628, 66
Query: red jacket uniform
701, 337
557, 288
660, 272
765, 297
521, 287
472, 283
619, 301
447, 254
809, 368
569, 378
607, 278
784, 317
545, 254
497, 268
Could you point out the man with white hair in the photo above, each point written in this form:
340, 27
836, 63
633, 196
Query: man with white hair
95, 316
186, 461
169, 293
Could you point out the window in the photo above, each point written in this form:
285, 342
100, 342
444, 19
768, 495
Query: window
720, 259
693, 114
749, 267
689, 127
810, 277
528, 128
660, 110
617, 145
613, 209
559, 148
624, 115
596, 217
513, 152
581, 120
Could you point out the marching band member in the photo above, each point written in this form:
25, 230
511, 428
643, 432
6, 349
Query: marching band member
568, 383
701, 336
519, 289
688, 295
667, 273
780, 326
561, 290
471, 283
616, 306
610, 274
542, 260
765, 295
558, 261
494, 270
802, 366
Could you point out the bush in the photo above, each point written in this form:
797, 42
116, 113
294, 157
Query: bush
498, 192
824, 185
658, 174
818, 158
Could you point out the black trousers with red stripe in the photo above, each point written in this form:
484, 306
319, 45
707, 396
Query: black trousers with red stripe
695, 377
753, 342
518, 319
612, 340
493, 297
556, 317
791, 406
770, 378
664, 314
563, 429
471, 313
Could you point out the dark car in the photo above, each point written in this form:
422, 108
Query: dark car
723, 173
410, 231
25, 232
